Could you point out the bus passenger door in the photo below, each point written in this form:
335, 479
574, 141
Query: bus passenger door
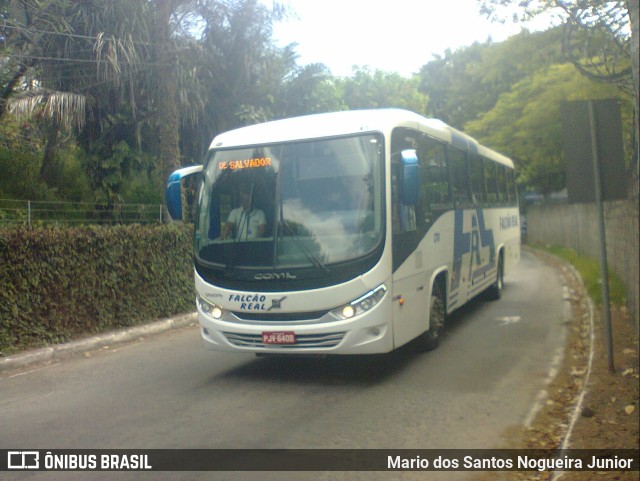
409, 277
410, 296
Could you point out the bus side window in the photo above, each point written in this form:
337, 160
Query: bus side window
459, 181
511, 187
492, 184
502, 184
477, 180
435, 194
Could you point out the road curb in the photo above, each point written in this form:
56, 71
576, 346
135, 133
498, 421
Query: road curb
60, 351
590, 320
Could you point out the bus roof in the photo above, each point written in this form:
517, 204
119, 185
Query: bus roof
349, 122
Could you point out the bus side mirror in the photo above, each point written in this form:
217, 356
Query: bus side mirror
410, 177
174, 190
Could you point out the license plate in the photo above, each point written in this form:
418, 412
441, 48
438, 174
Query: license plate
281, 337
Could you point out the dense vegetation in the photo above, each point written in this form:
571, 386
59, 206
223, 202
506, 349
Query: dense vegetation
59, 284
100, 99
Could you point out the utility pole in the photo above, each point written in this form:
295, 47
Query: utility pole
604, 265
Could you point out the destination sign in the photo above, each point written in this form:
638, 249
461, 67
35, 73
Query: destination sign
245, 164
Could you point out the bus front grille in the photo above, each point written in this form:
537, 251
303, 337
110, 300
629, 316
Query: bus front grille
302, 340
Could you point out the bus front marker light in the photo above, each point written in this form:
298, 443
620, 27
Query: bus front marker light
400, 300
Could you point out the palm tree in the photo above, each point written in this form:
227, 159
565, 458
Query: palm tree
57, 113
76, 62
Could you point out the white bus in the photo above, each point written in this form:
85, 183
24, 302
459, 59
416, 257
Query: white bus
346, 233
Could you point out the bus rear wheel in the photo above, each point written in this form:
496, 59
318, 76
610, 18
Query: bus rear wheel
437, 316
495, 291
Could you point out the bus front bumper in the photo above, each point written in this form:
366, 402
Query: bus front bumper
370, 333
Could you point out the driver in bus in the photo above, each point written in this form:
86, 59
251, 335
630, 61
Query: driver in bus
247, 222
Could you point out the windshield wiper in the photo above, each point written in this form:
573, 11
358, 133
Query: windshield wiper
317, 263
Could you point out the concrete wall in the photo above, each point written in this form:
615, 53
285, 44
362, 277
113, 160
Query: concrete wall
576, 226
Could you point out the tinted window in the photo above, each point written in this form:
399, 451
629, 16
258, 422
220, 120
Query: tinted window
435, 193
477, 180
459, 177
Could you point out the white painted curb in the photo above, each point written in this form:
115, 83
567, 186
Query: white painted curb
68, 349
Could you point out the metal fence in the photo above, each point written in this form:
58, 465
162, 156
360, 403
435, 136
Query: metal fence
32, 213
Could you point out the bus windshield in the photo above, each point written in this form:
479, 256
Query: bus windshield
297, 205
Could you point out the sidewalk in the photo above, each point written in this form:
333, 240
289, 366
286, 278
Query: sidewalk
60, 351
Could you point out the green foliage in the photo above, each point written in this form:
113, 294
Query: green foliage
463, 84
379, 89
222, 63
71, 182
590, 272
526, 124
21, 153
18, 175
114, 171
142, 188
309, 90
59, 284
508, 96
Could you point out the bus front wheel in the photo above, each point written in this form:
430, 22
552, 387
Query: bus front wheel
437, 316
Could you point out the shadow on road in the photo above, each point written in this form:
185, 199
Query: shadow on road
327, 370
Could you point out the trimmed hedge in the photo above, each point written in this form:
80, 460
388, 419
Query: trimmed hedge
58, 284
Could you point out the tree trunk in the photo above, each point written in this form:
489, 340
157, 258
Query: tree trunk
50, 165
167, 121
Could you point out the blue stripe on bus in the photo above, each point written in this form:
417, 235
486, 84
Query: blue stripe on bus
471, 242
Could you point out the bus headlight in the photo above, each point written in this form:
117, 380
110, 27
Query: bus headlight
209, 308
362, 304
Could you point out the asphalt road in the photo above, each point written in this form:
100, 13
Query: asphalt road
166, 391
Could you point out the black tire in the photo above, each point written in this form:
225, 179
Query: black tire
495, 291
437, 319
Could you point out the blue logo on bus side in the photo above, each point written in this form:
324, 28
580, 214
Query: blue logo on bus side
465, 242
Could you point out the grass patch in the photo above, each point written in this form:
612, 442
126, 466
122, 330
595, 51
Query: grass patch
589, 269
